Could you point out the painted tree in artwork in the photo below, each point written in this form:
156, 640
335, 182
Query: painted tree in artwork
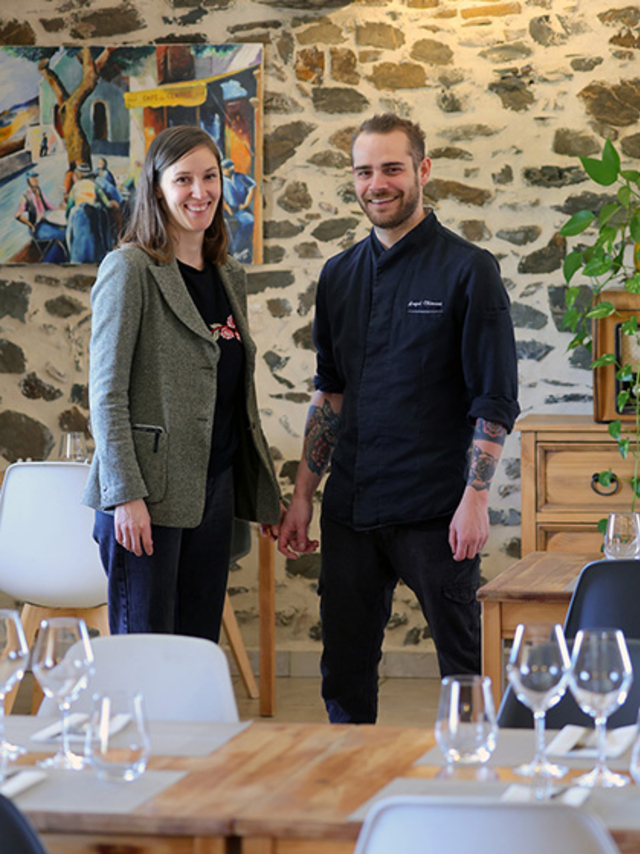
96, 64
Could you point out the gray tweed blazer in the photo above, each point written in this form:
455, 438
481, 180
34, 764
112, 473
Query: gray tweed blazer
152, 395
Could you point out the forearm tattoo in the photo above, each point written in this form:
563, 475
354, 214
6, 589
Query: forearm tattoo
483, 463
320, 435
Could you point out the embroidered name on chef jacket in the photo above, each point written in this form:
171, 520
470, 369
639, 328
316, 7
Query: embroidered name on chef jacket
425, 306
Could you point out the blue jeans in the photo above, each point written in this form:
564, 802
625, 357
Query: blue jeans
180, 588
360, 570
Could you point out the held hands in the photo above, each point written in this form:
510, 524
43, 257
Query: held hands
273, 531
132, 525
469, 528
294, 529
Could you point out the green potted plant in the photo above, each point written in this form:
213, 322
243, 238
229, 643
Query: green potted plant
608, 257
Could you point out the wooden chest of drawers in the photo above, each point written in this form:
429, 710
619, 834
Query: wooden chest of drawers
562, 499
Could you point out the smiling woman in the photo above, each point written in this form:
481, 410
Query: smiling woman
179, 448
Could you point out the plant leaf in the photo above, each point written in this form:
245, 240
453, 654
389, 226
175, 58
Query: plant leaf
602, 173
571, 264
630, 175
598, 266
624, 195
634, 227
607, 212
623, 447
602, 525
610, 156
615, 428
622, 399
602, 309
577, 224
633, 284
604, 360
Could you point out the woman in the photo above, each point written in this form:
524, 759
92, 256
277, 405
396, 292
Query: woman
179, 448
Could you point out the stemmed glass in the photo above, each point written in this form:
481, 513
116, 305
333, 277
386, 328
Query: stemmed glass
62, 663
622, 537
600, 677
14, 654
538, 670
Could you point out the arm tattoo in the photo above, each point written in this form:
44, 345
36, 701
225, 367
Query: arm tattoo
483, 464
320, 435
488, 431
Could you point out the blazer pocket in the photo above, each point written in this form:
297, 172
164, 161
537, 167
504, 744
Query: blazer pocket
152, 444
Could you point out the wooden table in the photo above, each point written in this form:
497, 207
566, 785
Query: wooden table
536, 588
273, 789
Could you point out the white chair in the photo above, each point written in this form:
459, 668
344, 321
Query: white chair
421, 825
48, 558
181, 678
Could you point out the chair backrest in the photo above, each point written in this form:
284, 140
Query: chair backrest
606, 595
181, 678
421, 825
16, 834
512, 713
47, 554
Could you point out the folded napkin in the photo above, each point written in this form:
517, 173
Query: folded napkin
78, 727
21, 781
580, 742
561, 794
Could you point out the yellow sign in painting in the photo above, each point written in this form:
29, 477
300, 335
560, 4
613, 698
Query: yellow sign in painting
187, 95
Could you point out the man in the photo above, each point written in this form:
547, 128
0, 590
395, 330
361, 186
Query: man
34, 208
93, 219
416, 389
239, 190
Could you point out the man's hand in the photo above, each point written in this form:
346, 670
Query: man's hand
294, 529
132, 525
469, 528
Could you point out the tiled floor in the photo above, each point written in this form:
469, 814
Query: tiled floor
403, 702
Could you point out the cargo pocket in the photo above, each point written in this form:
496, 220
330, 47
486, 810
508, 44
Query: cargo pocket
151, 444
464, 593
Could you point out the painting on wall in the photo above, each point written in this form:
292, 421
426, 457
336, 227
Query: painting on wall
75, 123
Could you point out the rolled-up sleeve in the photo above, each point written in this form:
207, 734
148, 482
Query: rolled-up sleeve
327, 378
488, 346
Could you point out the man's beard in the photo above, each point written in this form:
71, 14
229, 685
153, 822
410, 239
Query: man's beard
408, 206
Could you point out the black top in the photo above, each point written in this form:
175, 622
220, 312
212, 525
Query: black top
419, 340
207, 291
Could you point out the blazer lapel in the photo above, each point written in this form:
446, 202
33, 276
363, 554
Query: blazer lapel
175, 292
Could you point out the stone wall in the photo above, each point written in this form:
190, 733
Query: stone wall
510, 93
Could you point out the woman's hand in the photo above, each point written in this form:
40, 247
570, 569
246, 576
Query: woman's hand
273, 531
132, 525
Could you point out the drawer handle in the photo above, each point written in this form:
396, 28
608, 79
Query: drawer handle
614, 487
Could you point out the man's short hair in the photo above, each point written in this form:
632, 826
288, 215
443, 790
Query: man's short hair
387, 123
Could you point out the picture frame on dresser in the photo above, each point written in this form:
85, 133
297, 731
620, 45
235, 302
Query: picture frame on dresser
608, 338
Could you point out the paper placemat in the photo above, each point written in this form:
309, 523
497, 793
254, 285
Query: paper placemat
168, 738
194, 739
580, 742
515, 746
81, 791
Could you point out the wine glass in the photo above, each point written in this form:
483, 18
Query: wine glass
634, 765
62, 663
73, 447
538, 670
622, 537
466, 727
14, 653
600, 677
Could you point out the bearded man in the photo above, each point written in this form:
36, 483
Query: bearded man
416, 390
